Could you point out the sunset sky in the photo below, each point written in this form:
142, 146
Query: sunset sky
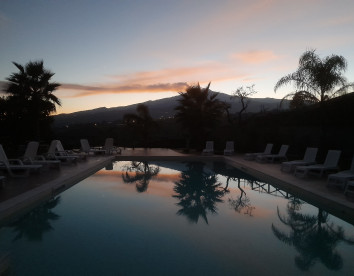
119, 52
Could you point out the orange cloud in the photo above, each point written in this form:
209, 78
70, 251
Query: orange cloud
165, 80
87, 90
255, 57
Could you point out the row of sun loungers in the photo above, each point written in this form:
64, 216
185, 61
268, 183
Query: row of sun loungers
307, 166
209, 148
56, 155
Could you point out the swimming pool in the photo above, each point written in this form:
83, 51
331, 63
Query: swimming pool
173, 218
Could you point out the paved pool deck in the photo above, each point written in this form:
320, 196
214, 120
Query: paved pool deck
18, 194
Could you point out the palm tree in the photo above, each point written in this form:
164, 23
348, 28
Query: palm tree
316, 79
31, 92
142, 122
198, 112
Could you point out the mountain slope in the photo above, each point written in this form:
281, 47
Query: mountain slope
158, 109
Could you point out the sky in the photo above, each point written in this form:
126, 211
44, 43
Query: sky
112, 53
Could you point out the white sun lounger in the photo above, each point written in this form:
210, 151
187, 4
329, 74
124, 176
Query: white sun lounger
62, 155
209, 148
12, 165
309, 159
110, 148
330, 165
252, 156
274, 157
31, 157
341, 178
85, 147
229, 148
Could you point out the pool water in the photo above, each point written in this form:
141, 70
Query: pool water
170, 218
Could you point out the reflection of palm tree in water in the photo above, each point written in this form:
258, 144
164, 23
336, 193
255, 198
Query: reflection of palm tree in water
34, 224
143, 174
198, 192
242, 201
313, 237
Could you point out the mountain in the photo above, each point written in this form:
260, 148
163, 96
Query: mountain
162, 108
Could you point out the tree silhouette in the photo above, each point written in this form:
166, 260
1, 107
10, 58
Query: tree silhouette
143, 174
198, 111
197, 192
142, 122
243, 94
314, 237
316, 79
37, 222
30, 98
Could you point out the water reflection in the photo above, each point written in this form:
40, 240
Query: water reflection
143, 172
198, 192
34, 224
242, 202
313, 236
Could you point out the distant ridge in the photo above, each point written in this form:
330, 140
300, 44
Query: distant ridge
162, 108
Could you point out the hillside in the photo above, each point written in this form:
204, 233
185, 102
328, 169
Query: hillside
162, 108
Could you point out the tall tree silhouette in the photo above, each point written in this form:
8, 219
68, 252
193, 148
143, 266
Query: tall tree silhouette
243, 94
197, 192
316, 79
143, 174
314, 237
30, 98
142, 122
198, 111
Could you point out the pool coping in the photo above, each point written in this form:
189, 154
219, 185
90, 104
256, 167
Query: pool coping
17, 205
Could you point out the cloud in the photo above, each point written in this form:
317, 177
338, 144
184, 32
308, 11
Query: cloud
199, 73
255, 57
164, 80
86, 90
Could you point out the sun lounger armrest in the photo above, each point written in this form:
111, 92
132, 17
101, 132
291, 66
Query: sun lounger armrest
51, 156
15, 161
39, 157
60, 153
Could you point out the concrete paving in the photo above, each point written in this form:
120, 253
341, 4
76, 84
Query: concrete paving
18, 194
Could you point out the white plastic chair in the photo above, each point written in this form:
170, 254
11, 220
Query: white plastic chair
252, 156
12, 165
209, 148
273, 157
341, 178
330, 164
229, 148
30, 156
309, 159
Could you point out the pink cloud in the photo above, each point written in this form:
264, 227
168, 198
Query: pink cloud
87, 90
255, 57
165, 80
